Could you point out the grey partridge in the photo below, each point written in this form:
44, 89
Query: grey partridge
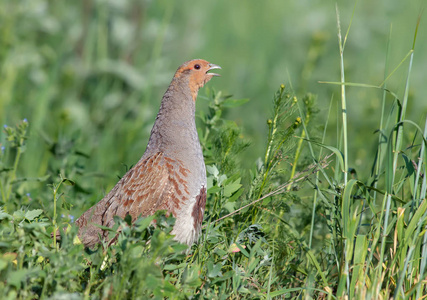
171, 174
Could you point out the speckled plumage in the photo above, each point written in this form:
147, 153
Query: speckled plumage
171, 174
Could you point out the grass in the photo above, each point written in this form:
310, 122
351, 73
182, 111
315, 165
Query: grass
290, 213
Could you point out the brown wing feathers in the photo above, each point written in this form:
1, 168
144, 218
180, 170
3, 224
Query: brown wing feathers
155, 183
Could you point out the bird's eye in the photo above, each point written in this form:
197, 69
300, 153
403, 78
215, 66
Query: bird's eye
196, 66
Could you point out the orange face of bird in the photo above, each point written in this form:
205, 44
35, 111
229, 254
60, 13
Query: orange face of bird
197, 71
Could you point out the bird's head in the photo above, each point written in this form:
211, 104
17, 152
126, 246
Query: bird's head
196, 74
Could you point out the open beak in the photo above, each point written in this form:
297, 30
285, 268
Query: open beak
212, 67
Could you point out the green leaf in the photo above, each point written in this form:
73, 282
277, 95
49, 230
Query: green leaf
172, 267
152, 280
411, 171
3, 264
18, 215
400, 223
313, 260
212, 170
348, 222
144, 222
243, 250
136, 252
214, 270
337, 152
234, 102
214, 189
360, 251
4, 215
285, 291
414, 221
230, 206
236, 195
253, 263
389, 175
229, 189
168, 290
16, 277
32, 214
67, 181
66, 205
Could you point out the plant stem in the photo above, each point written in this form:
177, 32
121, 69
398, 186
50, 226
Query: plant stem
397, 150
54, 216
13, 174
343, 97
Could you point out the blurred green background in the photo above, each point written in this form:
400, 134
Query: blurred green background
89, 75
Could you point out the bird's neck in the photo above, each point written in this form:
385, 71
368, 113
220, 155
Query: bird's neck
175, 121
178, 102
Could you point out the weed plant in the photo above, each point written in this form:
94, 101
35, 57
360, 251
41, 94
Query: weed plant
298, 224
